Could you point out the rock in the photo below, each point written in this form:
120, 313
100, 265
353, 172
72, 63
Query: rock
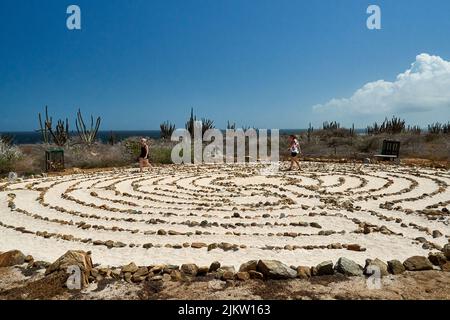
324, 268
315, 225
226, 268
326, 232
155, 278
437, 234
12, 258
202, 271
40, 264
243, 276
348, 267
189, 269
162, 232
396, 267
446, 251
227, 275
355, 247
214, 266
212, 246
249, 265
198, 245
73, 258
119, 244
273, 269
142, 271
255, 275
109, 244
446, 267
417, 263
437, 258
137, 278
115, 274
382, 266
336, 246
127, 277
303, 272
176, 275
157, 269
226, 246
131, 268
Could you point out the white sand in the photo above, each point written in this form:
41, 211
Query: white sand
182, 192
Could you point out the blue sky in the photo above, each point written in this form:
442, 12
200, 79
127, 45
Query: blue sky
264, 63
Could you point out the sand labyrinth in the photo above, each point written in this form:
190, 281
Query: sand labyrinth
232, 214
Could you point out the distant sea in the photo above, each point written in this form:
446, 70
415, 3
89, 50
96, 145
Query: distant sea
35, 137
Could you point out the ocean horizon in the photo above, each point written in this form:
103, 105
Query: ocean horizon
33, 137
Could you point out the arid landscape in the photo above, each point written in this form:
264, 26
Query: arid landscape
235, 223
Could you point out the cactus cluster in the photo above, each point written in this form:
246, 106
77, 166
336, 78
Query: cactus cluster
330, 126
438, 128
167, 129
206, 124
392, 126
88, 136
59, 136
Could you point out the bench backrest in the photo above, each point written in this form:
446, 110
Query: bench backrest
390, 148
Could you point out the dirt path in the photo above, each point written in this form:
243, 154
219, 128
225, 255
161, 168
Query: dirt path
18, 283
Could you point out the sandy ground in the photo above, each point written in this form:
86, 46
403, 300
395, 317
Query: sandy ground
19, 283
249, 206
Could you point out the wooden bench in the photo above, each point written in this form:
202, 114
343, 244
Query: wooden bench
389, 151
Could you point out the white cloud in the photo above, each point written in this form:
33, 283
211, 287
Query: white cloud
425, 87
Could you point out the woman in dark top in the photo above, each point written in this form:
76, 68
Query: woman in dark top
294, 148
143, 157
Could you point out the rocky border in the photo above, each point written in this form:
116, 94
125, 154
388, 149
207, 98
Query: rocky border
254, 269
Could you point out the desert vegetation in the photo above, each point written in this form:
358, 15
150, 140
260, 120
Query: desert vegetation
83, 150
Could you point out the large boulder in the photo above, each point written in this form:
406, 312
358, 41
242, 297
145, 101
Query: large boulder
130, 268
11, 258
348, 267
437, 258
417, 263
396, 267
249, 265
273, 269
370, 264
303, 272
324, 268
189, 269
72, 258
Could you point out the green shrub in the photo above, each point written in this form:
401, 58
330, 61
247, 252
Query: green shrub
161, 155
9, 155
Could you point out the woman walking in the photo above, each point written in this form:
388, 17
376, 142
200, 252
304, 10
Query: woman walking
143, 157
294, 148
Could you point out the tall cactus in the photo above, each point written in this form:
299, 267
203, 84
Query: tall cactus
88, 136
59, 137
309, 132
62, 135
190, 123
45, 134
167, 129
